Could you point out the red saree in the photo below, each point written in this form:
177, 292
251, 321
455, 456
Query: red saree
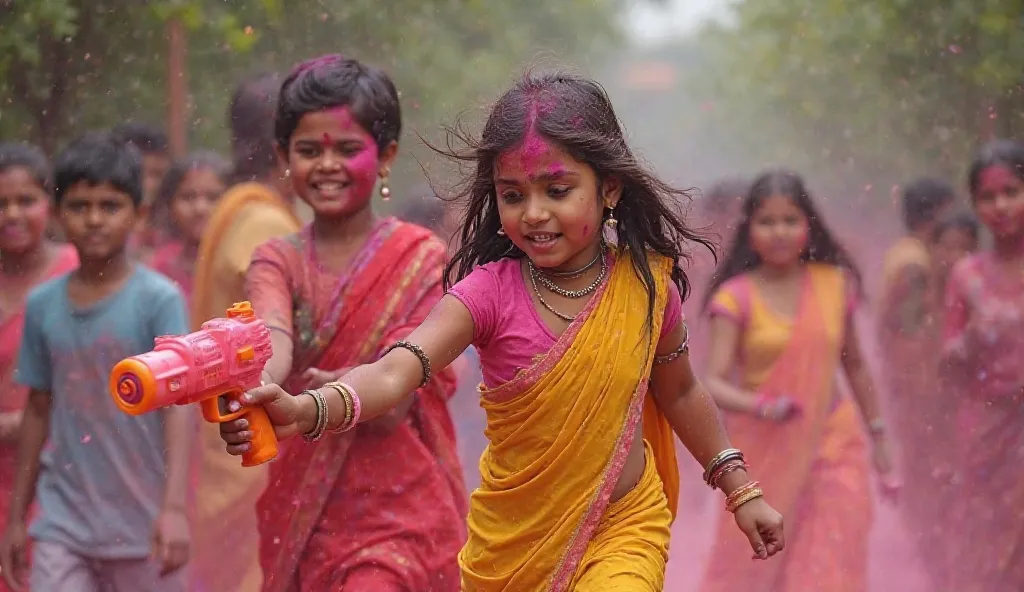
364, 509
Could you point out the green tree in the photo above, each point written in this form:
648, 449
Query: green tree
71, 65
878, 89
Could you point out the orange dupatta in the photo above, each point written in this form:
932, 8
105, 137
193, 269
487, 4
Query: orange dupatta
559, 434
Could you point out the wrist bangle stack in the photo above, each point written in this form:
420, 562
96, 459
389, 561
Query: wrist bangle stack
352, 405
719, 462
321, 416
742, 495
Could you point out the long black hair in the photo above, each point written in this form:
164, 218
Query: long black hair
821, 246
576, 114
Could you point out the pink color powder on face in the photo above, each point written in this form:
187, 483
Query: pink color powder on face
534, 147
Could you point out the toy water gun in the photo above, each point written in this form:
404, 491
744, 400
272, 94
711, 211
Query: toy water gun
213, 366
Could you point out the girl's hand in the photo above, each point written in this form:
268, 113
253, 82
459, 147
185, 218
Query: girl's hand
288, 414
316, 378
888, 480
778, 409
763, 527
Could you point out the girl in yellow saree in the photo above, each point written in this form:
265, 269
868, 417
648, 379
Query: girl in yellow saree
579, 480
781, 306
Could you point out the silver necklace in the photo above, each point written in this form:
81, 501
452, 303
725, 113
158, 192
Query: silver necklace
567, 293
552, 286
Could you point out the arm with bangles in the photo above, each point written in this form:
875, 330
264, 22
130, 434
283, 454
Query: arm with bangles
694, 418
381, 386
267, 288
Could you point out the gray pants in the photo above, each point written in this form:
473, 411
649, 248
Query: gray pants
55, 568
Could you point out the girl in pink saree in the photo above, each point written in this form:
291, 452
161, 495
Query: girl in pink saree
983, 353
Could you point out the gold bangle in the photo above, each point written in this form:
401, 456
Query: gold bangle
346, 398
747, 497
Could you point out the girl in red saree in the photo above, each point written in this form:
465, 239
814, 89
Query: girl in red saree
781, 308
184, 201
982, 354
579, 480
27, 259
382, 507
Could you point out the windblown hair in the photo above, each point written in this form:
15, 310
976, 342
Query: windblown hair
335, 81
576, 114
822, 247
1008, 153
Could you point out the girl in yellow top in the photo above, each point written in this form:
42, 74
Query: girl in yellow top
782, 313
579, 479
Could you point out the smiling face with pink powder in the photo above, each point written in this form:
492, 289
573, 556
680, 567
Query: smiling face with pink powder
550, 204
334, 162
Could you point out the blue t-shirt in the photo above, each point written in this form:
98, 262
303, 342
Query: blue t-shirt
101, 481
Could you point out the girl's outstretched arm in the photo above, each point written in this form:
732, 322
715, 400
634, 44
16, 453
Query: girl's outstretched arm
381, 386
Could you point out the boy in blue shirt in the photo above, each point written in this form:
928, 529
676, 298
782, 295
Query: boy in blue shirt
110, 487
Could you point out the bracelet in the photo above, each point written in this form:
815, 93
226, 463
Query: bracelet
352, 406
682, 349
739, 496
321, 416
720, 459
725, 468
418, 351
750, 495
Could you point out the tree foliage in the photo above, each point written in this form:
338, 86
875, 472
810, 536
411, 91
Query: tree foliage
875, 90
71, 65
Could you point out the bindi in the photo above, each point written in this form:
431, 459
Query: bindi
326, 140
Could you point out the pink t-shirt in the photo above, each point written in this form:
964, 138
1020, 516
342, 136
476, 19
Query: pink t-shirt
507, 331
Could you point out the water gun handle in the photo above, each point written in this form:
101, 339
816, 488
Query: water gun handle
263, 446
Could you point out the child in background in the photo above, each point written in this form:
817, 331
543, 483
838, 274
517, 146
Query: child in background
111, 487
27, 259
151, 141
187, 195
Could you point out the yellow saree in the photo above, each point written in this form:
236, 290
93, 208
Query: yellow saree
558, 438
